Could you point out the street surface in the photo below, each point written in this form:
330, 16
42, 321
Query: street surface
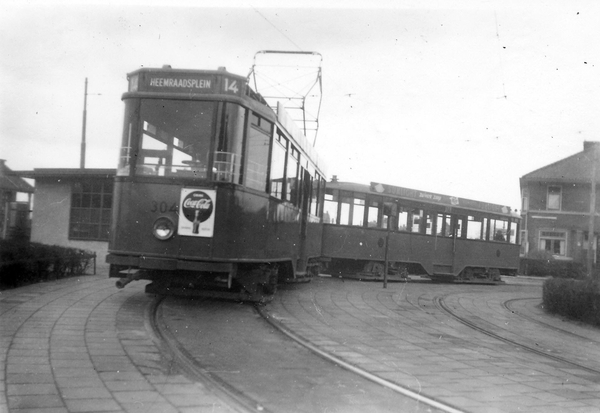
81, 345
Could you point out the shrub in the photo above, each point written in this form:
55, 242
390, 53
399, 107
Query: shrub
24, 263
547, 266
576, 299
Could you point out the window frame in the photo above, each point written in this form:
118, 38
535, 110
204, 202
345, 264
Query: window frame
559, 196
99, 217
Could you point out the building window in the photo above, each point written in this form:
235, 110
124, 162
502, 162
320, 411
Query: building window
554, 197
91, 206
554, 242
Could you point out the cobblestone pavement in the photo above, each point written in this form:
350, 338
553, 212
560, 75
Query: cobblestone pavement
401, 335
80, 345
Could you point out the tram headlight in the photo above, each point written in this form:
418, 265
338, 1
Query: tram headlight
163, 228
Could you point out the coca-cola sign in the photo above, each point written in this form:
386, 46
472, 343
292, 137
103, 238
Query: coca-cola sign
197, 207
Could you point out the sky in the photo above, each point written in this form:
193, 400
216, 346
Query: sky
460, 98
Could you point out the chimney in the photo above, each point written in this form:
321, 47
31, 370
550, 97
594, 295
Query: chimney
590, 145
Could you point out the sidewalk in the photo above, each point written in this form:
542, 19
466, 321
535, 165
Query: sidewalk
80, 345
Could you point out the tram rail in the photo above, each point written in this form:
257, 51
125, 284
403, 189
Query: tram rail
442, 306
234, 398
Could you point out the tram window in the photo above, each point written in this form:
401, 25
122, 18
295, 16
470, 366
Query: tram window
346, 201
314, 200
291, 191
428, 227
278, 166
403, 224
331, 206
176, 138
513, 232
373, 213
444, 225
227, 161
415, 220
131, 116
358, 213
390, 210
258, 154
499, 229
474, 228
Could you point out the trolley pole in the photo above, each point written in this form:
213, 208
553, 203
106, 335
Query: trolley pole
82, 157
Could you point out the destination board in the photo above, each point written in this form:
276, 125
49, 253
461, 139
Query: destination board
187, 83
453, 201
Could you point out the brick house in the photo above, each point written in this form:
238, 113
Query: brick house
556, 204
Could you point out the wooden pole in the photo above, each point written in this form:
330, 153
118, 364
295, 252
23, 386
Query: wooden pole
591, 229
82, 157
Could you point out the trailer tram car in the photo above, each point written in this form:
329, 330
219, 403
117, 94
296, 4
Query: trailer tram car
216, 194
440, 237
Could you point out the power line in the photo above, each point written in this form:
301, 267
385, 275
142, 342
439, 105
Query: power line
276, 28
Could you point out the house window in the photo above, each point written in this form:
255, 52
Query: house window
554, 242
91, 206
554, 197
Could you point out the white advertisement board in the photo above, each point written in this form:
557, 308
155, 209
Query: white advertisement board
197, 212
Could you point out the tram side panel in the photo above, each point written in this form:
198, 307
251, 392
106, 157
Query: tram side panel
366, 245
486, 256
440, 257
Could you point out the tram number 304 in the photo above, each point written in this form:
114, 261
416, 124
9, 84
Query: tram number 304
163, 207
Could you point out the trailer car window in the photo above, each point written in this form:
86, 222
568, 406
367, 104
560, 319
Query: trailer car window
331, 207
358, 214
474, 228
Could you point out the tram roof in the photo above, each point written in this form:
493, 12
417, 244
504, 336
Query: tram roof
424, 197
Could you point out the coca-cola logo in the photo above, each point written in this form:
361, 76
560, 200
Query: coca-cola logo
197, 206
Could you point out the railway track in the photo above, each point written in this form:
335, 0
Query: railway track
522, 344
238, 400
239, 395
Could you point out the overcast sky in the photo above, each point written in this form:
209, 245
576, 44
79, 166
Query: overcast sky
455, 97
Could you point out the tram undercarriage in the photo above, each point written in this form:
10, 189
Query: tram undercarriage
245, 282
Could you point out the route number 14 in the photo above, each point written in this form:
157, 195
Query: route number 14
231, 86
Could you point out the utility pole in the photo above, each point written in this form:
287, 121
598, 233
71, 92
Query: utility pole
591, 227
82, 157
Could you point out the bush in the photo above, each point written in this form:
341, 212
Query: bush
546, 266
576, 299
25, 263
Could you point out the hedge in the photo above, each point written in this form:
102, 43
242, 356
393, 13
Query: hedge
25, 263
576, 299
552, 268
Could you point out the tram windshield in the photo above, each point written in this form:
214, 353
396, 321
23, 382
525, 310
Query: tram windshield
175, 138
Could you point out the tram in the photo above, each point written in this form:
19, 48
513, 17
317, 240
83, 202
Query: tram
439, 237
216, 194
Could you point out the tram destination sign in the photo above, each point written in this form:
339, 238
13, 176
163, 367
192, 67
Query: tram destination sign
185, 82
451, 201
